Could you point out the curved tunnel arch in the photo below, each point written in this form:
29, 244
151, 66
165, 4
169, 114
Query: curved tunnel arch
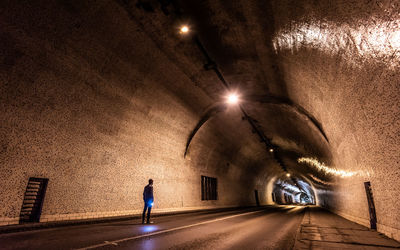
218, 108
283, 186
213, 110
124, 99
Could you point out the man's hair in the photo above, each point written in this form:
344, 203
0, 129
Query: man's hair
150, 181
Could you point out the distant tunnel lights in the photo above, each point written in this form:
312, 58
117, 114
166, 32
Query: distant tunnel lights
321, 166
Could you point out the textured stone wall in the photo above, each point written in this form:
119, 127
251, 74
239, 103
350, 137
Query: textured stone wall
90, 102
341, 62
100, 96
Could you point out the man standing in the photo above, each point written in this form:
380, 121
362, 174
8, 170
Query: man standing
148, 201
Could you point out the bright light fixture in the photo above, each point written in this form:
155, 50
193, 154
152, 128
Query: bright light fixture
288, 175
184, 29
271, 150
232, 98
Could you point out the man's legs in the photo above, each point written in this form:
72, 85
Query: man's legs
144, 212
148, 214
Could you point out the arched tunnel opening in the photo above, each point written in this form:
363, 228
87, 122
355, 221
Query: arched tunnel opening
287, 192
248, 116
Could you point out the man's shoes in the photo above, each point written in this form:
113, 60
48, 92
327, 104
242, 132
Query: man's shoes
150, 222
142, 221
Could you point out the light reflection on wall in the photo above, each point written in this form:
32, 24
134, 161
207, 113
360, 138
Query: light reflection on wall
308, 190
370, 39
319, 180
321, 166
290, 188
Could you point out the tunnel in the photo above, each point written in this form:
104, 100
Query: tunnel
223, 104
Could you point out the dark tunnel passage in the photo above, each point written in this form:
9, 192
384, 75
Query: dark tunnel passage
224, 104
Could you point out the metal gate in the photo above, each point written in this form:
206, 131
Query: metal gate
33, 200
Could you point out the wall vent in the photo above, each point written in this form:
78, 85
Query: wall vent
257, 199
209, 188
33, 200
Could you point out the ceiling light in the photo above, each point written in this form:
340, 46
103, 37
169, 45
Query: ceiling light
271, 150
232, 99
288, 175
184, 29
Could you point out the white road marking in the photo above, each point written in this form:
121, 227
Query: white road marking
115, 242
111, 243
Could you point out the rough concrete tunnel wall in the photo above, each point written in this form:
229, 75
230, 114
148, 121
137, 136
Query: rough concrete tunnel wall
98, 99
340, 62
90, 102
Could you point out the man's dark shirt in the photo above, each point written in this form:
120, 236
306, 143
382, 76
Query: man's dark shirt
148, 193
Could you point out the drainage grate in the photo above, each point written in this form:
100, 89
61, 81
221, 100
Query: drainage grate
209, 188
33, 200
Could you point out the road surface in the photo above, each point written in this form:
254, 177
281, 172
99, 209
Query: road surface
251, 228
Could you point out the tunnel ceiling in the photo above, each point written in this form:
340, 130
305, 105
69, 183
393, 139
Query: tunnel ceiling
315, 79
238, 37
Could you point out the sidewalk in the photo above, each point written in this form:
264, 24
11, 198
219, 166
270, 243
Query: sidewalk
321, 229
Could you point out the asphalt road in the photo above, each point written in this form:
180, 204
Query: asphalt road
266, 228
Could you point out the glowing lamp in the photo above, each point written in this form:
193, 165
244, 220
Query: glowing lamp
184, 29
232, 99
288, 175
271, 150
